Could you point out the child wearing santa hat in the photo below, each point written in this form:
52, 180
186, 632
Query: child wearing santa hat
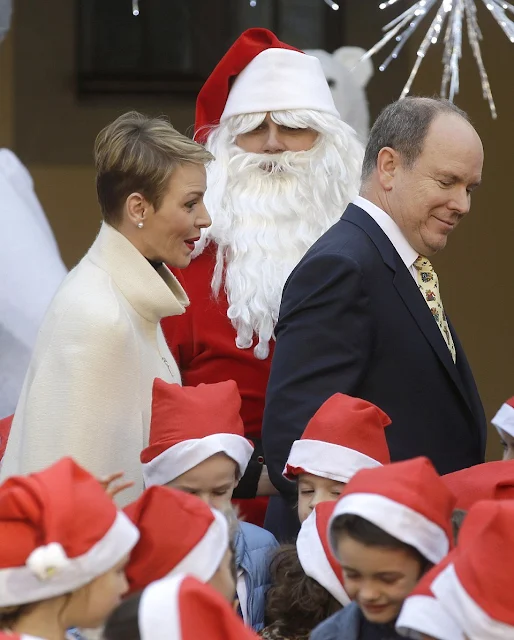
176, 608
504, 423
179, 534
469, 595
391, 524
197, 445
307, 582
63, 550
486, 481
345, 435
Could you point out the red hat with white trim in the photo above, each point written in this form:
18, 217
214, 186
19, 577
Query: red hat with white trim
476, 586
408, 500
504, 419
182, 608
345, 435
259, 73
191, 424
314, 552
487, 481
179, 534
59, 531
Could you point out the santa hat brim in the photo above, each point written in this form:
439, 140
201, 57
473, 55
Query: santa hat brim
422, 614
186, 455
326, 460
396, 519
471, 618
504, 419
20, 585
314, 560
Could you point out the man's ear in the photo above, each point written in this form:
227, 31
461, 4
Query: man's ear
387, 165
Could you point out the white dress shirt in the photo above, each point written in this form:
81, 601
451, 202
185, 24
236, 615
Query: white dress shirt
392, 231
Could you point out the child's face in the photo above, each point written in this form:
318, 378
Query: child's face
312, 490
377, 578
224, 580
213, 481
508, 445
91, 605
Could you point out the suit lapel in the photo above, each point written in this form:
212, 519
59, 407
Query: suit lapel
409, 292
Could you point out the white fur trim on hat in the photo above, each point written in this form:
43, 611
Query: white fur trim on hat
504, 419
314, 560
280, 80
328, 460
422, 614
203, 560
44, 577
475, 623
397, 520
185, 455
159, 611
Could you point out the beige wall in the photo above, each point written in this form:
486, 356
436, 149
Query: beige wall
41, 119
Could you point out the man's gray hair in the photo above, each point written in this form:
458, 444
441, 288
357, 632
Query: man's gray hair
403, 125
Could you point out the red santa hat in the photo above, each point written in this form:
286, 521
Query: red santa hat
345, 435
189, 425
59, 531
268, 75
423, 614
504, 419
314, 552
182, 608
476, 586
179, 534
5, 429
487, 481
406, 499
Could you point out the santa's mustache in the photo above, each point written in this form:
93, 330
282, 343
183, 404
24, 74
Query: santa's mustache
271, 163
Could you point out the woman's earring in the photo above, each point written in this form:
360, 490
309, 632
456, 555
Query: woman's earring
139, 225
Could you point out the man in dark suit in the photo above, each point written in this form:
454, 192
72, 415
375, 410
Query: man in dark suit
362, 313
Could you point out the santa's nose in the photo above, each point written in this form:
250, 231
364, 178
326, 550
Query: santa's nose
273, 143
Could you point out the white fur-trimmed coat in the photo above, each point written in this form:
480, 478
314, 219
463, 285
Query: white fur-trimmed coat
87, 393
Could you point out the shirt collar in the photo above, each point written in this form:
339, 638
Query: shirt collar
391, 229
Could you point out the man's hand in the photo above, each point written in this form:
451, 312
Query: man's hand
265, 488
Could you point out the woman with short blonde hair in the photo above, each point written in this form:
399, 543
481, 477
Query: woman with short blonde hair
87, 393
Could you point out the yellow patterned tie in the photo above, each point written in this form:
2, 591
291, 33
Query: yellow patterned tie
429, 286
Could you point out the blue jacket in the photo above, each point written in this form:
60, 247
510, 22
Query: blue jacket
346, 625
254, 548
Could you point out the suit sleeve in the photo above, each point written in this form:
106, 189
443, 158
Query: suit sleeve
323, 345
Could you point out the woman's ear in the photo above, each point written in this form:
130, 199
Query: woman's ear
137, 209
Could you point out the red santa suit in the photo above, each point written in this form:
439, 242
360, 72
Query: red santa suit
259, 74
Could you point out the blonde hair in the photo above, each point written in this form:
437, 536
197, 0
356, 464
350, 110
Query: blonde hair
136, 153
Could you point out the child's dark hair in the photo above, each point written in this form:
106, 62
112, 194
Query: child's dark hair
368, 534
458, 517
295, 603
123, 623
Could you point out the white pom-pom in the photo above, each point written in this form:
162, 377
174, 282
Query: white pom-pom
45, 562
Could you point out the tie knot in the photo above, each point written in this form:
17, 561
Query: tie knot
423, 264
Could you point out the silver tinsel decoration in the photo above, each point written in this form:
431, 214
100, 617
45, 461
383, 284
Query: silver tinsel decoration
333, 5
449, 22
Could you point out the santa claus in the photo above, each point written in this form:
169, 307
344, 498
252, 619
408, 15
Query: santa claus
285, 168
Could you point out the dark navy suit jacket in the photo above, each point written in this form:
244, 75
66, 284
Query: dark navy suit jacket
353, 320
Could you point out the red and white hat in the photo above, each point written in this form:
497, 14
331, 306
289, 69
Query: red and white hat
179, 534
345, 435
59, 531
191, 424
267, 75
314, 552
487, 481
504, 419
182, 608
408, 500
476, 586
423, 613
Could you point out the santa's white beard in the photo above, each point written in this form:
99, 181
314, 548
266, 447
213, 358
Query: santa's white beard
267, 211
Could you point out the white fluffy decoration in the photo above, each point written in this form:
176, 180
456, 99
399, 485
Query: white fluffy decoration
347, 78
47, 561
